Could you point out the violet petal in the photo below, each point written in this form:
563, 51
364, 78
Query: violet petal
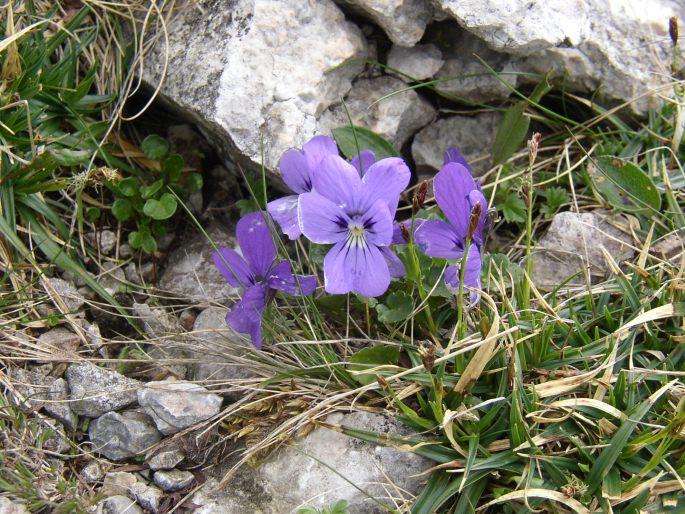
437, 238
295, 171
321, 220
246, 315
395, 264
282, 279
254, 237
284, 212
360, 268
386, 179
377, 223
452, 186
338, 181
233, 267
363, 161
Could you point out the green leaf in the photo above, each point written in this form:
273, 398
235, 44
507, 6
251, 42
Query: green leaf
511, 133
147, 191
173, 166
397, 307
366, 139
155, 147
371, 357
624, 185
128, 186
513, 208
69, 158
195, 182
93, 214
556, 197
122, 209
161, 209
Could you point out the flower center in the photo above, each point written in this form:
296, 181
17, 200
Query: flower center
355, 236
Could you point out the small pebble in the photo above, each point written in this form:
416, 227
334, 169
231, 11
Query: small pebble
173, 480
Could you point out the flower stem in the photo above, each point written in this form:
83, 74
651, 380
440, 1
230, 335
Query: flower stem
416, 272
461, 324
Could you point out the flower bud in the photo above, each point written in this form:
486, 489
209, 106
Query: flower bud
673, 29
427, 357
381, 381
420, 197
404, 231
474, 220
533, 146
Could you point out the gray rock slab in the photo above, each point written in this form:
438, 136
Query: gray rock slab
57, 442
292, 477
147, 496
7, 506
177, 405
404, 21
165, 459
57, 404
221, 356
58, 344
191, 274
68, 292
120, 436
32, 384
622, 48
396, 117
173, 480
96, 390
118, 483
256, 74
420, 62
118, 505
92, 472
472, 135
573, 243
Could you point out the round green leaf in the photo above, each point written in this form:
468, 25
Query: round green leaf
173, 167
624, 185
397, 307
93, 214
148, 191
122, 209
161, 209
155, 147
149, 245
128, 186
372, 357
195, 182
135, 239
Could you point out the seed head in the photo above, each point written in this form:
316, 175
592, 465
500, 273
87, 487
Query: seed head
474, 220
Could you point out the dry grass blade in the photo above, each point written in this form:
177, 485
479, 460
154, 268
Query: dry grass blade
546, 494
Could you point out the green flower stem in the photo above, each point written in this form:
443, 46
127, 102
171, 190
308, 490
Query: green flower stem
529, 240
461, 324
415, 271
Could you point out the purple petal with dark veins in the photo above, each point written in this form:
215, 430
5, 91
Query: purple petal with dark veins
295, 171
254, 237
233, 267
284, 212
282, 279
316, 149
437, 238
321, 220
360, 268
377, 223
397, 238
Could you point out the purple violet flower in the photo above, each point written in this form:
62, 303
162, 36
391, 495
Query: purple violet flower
297, 168
257, 271
456, 193
355, 215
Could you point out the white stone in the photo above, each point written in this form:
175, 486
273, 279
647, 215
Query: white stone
396, 117
419, 62
404, 21
472, 135
573, 244
177, 405
95, 390
173, 480
258, 73
7, 506
68, 292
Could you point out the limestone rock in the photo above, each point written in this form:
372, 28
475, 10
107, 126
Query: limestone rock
191, 274
105, 240
118, 505
420, 62
58, 344
177, 405
118, 483
120, 436
68, 292
472, 135
573, 243
57, 442
256, 74
7, 506
165, 459
112, 278
173, 480
222, 355
147, 496
92, 472
96, 390
57, 405
404, 21
620, 47
396, 118
293, 477
32, 384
